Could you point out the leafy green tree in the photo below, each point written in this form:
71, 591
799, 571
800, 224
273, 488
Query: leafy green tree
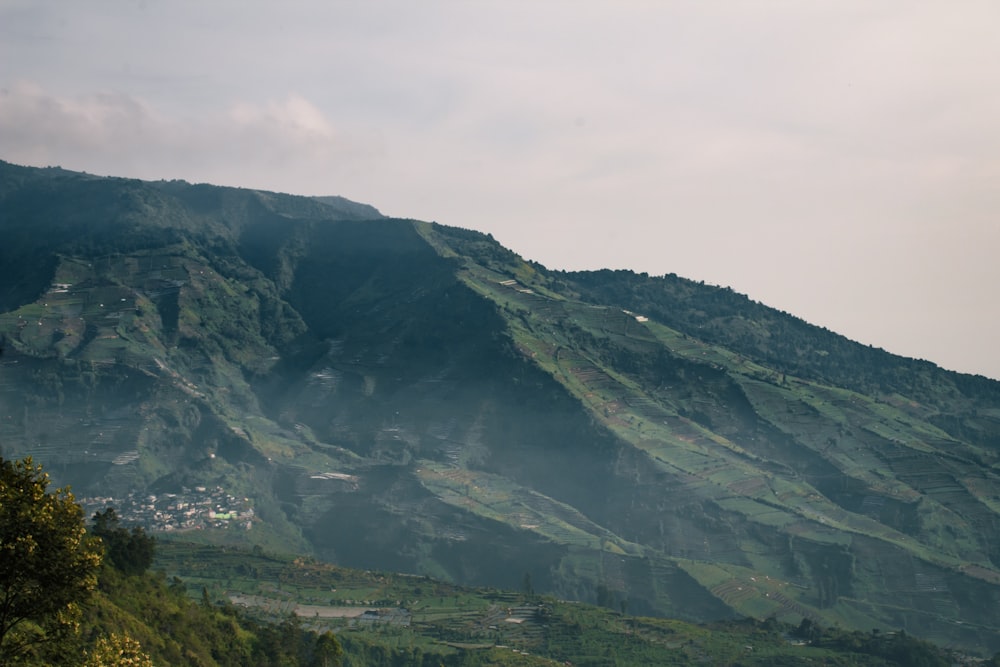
327, 652
131, 551
48, 563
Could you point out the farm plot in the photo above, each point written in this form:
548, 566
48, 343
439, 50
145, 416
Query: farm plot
500, 500
751, 593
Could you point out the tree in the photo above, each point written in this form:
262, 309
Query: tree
129, 551
327, 652
808, 630
48, 563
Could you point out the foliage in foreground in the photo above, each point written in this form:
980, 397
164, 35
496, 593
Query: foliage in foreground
48, 564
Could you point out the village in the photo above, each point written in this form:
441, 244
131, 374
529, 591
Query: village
199, 508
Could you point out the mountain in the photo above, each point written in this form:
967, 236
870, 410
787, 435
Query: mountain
400, 395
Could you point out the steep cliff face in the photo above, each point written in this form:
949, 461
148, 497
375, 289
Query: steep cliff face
400, 395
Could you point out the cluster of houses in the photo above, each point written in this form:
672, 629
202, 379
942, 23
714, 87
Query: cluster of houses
199, 508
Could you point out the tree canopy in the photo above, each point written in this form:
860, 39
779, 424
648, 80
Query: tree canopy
131, 551
48, 563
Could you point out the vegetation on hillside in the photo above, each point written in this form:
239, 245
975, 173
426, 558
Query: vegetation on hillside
48, 564
140, 619
784, 342
455, 625
72, 598
397, 395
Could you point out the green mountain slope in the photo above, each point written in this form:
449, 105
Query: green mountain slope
383, 618
405, 396
249, 608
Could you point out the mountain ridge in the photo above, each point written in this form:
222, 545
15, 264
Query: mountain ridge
668, 443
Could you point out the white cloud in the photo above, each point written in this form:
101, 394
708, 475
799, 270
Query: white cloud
37, 126
118, 134
295, 118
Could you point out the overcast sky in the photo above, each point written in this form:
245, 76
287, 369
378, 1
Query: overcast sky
839, 160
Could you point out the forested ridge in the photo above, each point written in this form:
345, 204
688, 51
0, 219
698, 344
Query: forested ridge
786, 342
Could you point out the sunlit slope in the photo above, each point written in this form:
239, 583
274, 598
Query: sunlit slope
807, 498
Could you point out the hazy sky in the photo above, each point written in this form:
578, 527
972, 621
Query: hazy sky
839, 160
